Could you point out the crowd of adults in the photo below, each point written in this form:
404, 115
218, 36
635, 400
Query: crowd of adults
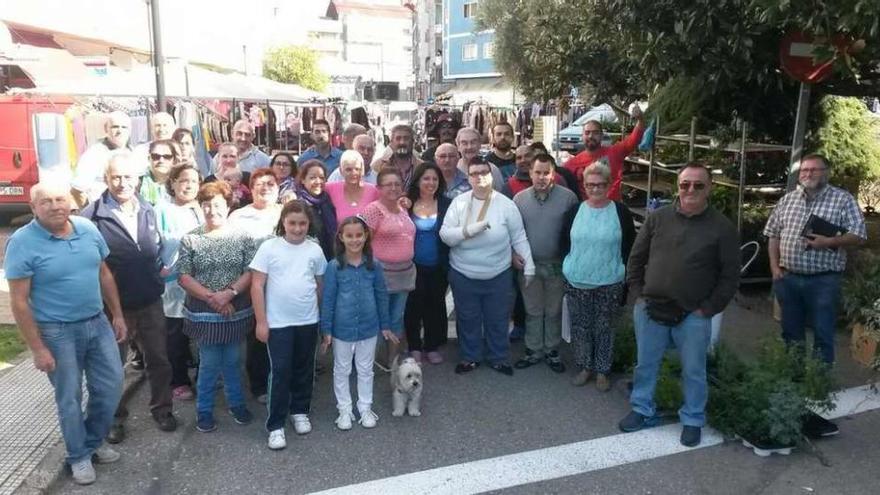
161, 255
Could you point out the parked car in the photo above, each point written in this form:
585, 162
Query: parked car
571, 138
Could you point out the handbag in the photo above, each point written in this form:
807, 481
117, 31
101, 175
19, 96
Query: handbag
400, 277
665, 311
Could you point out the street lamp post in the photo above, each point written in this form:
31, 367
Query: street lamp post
158, 58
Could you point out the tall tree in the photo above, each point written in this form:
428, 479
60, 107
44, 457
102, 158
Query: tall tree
294, 65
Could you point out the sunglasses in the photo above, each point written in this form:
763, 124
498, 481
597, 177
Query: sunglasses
696, 186
159, 156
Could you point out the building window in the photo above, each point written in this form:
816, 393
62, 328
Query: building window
469, 51
489, 49
438, 12
470, 10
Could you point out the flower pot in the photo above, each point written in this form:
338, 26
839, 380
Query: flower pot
762, 450
863, 345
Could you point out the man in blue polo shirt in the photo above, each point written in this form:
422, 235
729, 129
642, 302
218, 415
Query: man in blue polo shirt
57, 277
322, 150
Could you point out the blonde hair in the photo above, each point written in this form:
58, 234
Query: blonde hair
600, 168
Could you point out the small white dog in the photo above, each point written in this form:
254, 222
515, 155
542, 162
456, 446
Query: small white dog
406, 386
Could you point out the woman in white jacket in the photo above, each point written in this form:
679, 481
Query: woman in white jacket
480, 228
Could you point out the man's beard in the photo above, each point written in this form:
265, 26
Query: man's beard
503, 147
402, 152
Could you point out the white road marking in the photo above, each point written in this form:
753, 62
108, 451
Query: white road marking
567, 460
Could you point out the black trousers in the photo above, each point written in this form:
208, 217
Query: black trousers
426, 308
292, 357
257, 365
179, 353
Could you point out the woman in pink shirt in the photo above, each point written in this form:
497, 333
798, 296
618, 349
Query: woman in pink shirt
393, 239
351, 196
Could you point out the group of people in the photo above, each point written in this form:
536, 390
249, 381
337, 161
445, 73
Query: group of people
342, 250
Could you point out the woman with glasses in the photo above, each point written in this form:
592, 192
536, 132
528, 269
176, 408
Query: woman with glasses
482, 228
284, 167
596, 245
163, 157
393, 240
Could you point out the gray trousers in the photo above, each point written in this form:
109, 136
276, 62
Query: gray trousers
543, 303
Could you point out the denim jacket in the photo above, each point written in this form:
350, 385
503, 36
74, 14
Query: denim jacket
354, 305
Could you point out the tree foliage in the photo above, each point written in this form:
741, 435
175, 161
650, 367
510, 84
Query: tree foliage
849, 136
294, 65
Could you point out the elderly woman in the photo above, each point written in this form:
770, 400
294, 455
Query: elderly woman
163, 156
596, 245
175, 219
426, 305
258, 221
393, 236
468, 140
480, 228
213, 266
310, 188
351, 196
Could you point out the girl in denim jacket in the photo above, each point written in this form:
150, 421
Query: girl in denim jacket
354, 308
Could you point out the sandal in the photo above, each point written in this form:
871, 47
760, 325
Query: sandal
466, 367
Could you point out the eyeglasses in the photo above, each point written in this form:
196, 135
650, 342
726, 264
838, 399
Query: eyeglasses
161, 156
595, 185
116, 127
687, 186
480, 173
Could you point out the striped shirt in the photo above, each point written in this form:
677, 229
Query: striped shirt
787, 223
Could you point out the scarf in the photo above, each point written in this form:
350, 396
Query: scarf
324, 228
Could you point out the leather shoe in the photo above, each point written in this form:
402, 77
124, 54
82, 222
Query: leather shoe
166, 421
690, 435
117, 433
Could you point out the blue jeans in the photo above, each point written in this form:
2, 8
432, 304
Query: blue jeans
482, 309
691, 338
215, 359
813, 299
89, 347
396, 308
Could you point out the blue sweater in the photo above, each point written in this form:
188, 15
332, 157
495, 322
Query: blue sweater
354, 305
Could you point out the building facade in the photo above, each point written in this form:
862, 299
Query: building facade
467, 53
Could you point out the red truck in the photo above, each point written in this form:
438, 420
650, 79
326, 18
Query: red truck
19, 166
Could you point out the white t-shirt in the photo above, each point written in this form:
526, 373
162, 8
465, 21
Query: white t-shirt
257, 224
291, 289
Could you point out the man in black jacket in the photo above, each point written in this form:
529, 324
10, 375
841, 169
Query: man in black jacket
128, 225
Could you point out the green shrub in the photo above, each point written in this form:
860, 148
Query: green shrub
624, 352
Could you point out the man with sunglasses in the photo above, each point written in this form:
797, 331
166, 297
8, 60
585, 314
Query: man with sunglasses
683, 269
614, 154
88, 181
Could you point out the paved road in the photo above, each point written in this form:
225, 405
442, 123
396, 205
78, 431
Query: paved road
466, 418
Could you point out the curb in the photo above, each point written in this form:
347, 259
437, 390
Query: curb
52, 467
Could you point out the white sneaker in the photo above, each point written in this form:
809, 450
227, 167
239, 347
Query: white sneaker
301, 423
368, 419
277, 440
105, 455
83, 472
343, 422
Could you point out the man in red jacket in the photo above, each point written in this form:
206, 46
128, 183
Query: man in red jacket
614, 154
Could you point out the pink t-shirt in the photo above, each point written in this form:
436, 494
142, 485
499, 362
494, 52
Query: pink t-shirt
345, 209
394, 234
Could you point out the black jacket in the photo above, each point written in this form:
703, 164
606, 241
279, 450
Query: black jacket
135, 264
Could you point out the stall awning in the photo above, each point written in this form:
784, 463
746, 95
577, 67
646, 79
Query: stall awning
45, 66
494, 92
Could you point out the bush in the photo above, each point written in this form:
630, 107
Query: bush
624, 353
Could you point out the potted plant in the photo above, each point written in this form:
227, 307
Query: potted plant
860, 295
765, 403
866, 336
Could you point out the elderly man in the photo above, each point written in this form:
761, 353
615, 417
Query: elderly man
250, 158
162, 127
683, 269
808, 262
400, 153
88, 181
364, 145
57, 277
321, 150
594, 151
468, 142
446, 157
543, 207
128, 225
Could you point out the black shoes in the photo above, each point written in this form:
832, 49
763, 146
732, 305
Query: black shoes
117, 433
691, 435
503, 368
165, 421
466, 367
635, 422
555, 362
530, 359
